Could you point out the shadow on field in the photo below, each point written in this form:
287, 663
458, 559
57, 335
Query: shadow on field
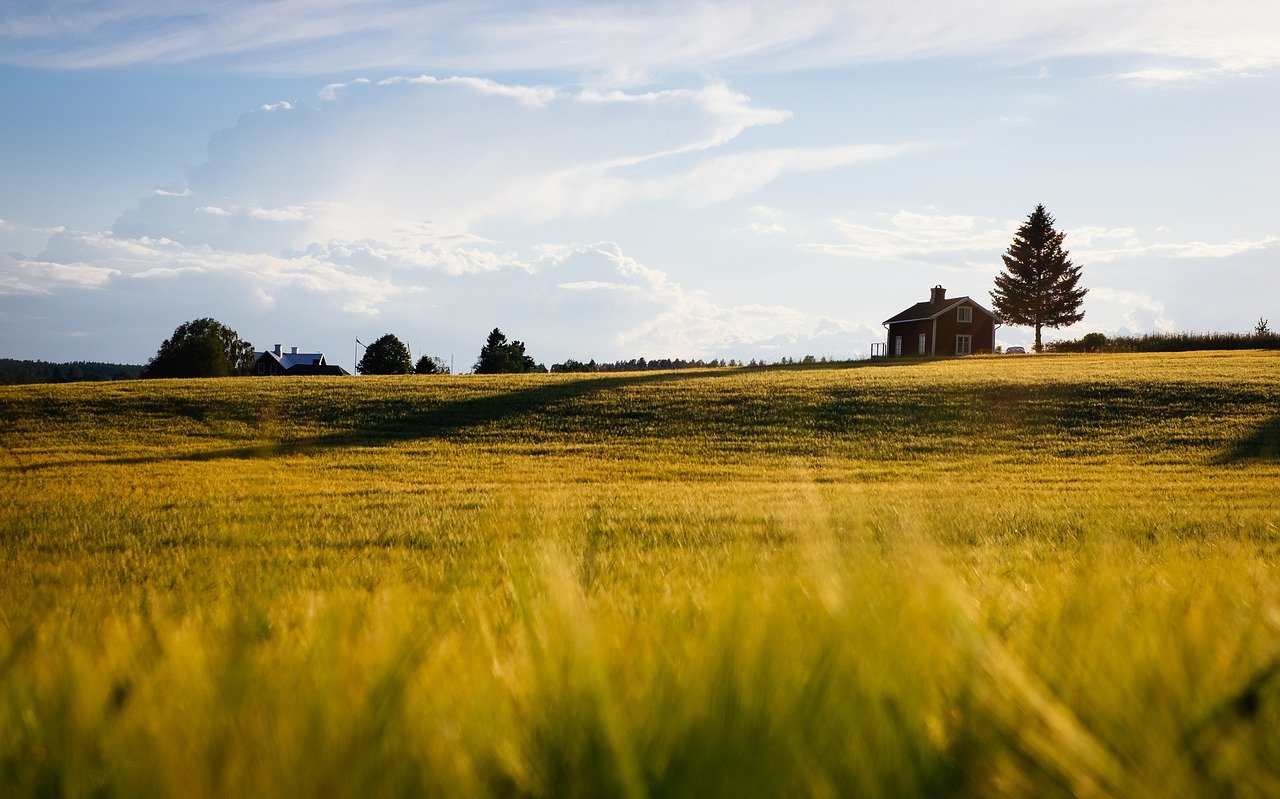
391, 421
882, 419
1262, 444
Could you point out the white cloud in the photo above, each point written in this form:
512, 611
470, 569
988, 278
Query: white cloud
946, 240
292, 213
101, 261
762, 229
167, 193
767, 222
909, 235
283, 105
1129, 312
737, 174
20, 276
1175, 75
461, 151
1189, 249
584, 301
632, 40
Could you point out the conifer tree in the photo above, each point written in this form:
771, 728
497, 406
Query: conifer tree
1039, 284
499, 356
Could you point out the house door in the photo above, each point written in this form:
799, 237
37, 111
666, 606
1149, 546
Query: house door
897, 346
920, 349
964, 345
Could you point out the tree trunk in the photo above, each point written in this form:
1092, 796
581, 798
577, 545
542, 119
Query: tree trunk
1037, 336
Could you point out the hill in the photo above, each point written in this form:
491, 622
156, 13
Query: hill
967, 577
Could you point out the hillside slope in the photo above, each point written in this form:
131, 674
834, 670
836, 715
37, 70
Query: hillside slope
988, 576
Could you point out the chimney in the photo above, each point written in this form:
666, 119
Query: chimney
277, 353
295, 351
937, 294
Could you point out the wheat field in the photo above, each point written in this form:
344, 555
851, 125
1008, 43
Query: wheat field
975, 577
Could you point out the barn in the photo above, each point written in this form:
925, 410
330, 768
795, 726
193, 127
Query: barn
941, 326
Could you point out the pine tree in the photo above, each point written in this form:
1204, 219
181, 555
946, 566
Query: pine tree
1038, 286
499, 356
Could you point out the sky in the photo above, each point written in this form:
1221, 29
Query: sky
611, 180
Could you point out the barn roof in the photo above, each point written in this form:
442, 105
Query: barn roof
924, 311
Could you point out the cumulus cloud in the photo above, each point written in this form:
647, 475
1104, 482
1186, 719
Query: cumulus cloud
1130, 312
20, 276
579, 301
363, 207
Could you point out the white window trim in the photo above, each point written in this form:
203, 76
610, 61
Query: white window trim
967, 341
920, 346
897, 346
964, 314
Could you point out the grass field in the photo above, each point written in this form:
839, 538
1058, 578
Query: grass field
988, 576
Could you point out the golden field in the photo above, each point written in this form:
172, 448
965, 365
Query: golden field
974, 577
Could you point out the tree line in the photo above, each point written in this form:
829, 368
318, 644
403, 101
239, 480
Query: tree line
14, 371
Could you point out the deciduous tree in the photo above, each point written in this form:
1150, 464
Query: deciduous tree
201, 348
431, 365
386, 356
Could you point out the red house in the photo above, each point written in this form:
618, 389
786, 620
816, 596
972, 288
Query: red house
940, 326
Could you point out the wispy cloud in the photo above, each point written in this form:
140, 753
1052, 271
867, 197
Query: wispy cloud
514, 152
1185, 75
766, 221
913, 236
626, 40
958, 240
1187, 249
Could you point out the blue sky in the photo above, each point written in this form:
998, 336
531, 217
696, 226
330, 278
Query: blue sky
612, 180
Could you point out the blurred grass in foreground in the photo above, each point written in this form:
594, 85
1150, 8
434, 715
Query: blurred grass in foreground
981, 577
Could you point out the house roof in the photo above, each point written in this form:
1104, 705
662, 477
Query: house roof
924, 311
317, 369
288, 360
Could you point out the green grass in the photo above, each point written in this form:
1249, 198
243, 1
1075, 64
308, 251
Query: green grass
988, 576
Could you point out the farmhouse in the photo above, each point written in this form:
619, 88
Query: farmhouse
941, 326
276, 362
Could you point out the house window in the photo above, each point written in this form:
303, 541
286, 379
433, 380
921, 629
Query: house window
964, 314
897, 346
920, 349
262, 368
964, 345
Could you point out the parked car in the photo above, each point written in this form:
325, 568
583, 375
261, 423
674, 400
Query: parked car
1015, 351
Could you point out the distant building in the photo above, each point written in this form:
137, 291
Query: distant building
275, 362
940, 326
